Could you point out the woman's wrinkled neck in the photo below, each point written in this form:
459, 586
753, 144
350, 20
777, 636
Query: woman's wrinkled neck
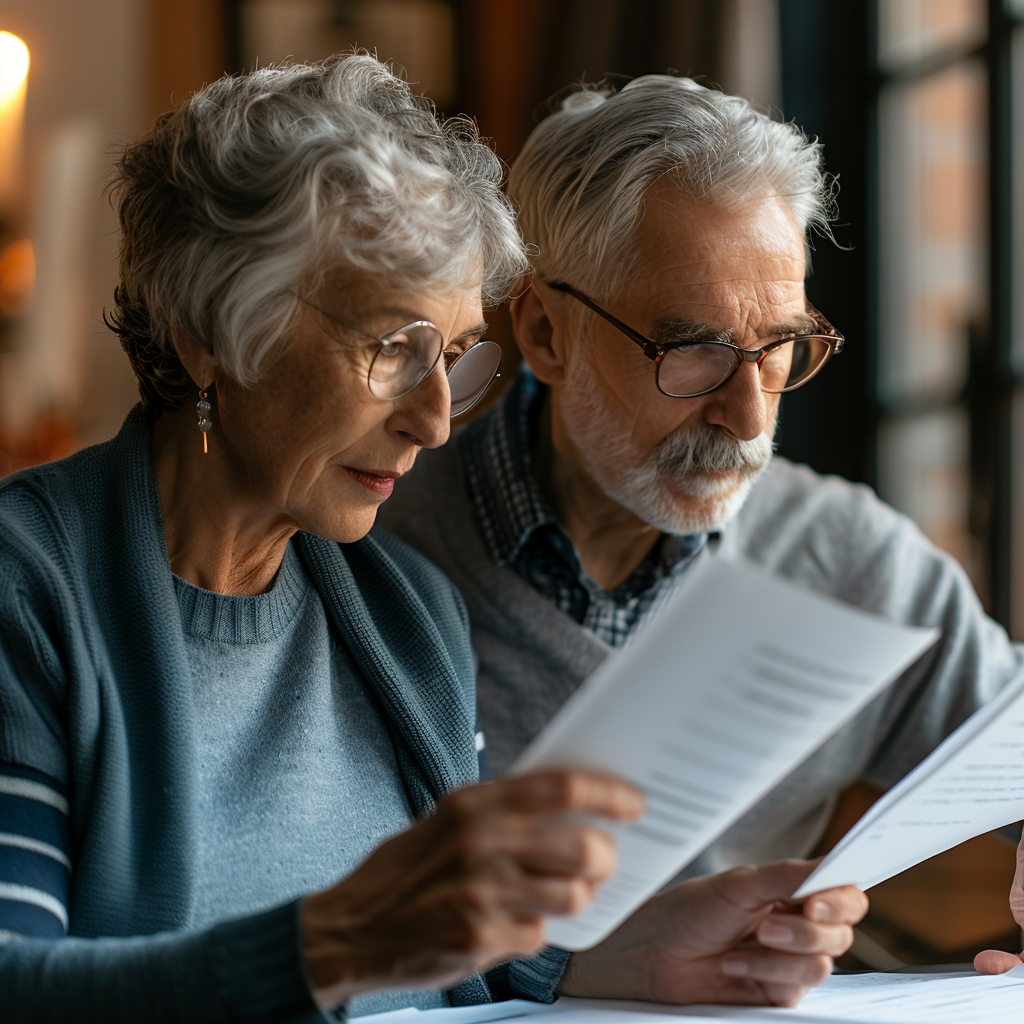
219, 535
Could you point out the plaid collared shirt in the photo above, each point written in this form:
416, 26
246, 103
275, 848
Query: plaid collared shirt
522, 531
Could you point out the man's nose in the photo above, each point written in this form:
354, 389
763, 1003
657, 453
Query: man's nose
424, 414
739, 406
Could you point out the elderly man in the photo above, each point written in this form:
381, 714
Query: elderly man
665, 318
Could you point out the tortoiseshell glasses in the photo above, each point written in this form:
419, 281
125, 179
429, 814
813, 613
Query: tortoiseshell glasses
694, 367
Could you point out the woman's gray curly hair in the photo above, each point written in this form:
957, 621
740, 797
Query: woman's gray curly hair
228, 203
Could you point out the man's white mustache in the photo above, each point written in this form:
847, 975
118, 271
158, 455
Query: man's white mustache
711, 450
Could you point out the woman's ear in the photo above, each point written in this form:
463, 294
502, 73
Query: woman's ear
540, 332
198, 361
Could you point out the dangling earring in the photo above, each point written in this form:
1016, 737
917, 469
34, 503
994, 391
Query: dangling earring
203, 408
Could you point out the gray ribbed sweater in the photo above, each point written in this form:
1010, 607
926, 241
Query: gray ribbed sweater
823, 532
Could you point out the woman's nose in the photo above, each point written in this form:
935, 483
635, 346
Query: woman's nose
424, 414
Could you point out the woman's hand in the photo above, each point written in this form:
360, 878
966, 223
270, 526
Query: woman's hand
995, 961
734, 937
468, 887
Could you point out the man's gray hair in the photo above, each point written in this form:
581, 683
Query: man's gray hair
260, 182
581, 178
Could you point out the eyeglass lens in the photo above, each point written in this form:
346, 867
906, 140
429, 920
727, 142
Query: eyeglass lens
471, 375
403, 360
690, 370
406, 358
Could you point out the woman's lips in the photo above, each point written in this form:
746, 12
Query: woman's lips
381, 484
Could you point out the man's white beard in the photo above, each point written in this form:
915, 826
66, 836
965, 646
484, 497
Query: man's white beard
694, 480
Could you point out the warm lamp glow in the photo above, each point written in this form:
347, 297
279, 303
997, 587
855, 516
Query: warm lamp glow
13, 65
13, 80
17, 277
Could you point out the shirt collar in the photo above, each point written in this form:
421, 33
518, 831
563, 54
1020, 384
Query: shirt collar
495, 452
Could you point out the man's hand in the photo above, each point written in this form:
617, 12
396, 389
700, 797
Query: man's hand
995, 961
734, 937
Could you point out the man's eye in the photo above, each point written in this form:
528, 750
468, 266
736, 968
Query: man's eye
456, 349
392, 348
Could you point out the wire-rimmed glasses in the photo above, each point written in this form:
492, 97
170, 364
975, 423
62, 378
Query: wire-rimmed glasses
695, 367
406, 357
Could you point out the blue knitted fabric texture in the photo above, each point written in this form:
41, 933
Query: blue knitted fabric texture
94, 693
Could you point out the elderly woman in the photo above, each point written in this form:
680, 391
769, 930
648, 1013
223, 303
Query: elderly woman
224, 706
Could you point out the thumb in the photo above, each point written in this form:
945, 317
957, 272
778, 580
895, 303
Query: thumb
995, 961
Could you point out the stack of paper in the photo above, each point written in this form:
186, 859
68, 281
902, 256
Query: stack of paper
970, 784
878, 998
739, 678
925, 998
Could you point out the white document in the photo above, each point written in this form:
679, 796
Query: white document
924, 998
481, 1013
971, 783
878, 998
735, 682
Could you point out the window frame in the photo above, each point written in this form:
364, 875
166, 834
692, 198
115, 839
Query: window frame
809, 30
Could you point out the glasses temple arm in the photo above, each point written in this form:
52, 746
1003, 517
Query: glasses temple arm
650, 348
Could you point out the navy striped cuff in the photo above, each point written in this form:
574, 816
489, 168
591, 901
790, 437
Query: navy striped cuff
35, 870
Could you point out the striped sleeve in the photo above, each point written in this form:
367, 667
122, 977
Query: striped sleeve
35, 869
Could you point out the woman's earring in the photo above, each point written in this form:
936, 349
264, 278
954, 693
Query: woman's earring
203, 408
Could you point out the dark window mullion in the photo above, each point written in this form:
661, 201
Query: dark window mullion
933, 64
999, 387
898, 417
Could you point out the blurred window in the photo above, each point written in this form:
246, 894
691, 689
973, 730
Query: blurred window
949, 383
933, 280
417, 34
933, 230
913, 30
923, 468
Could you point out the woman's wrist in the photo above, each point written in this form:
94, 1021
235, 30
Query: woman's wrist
331, 965
258, 967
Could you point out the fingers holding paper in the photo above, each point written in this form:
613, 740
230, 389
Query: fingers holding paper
469, 886
996, 961
735, 937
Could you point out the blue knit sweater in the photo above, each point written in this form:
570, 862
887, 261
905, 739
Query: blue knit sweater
94, 695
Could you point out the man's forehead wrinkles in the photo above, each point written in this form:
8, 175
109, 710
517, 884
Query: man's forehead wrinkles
723, 268
730, 266
661, 291
743, 314
727, 292
774, 305
683, 276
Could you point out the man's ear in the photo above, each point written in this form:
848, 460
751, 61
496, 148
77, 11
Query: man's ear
198, 361
540, 332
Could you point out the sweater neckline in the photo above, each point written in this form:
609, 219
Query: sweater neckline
252, 619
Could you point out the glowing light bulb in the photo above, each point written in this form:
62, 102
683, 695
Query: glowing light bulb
13, 65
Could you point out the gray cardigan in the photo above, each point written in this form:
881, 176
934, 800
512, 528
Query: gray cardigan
94, 685
823, 532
